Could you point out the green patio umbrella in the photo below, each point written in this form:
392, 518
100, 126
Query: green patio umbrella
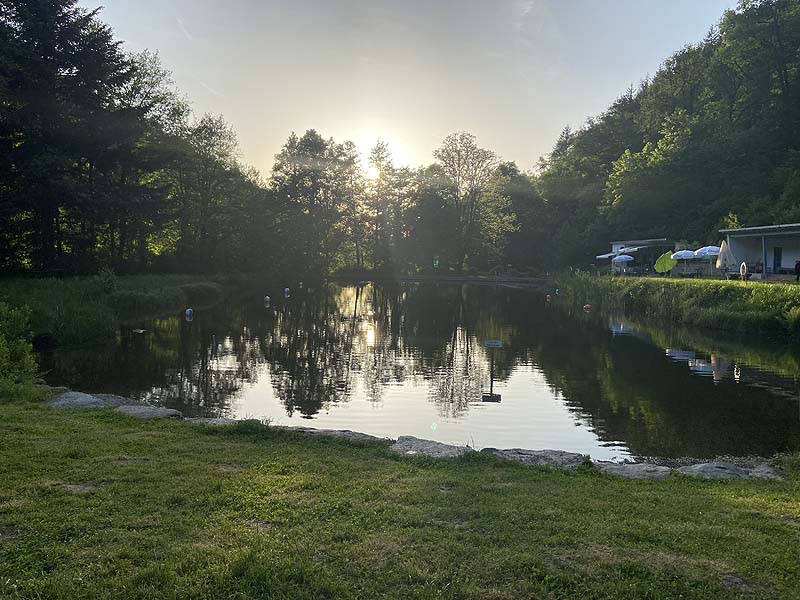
665, 262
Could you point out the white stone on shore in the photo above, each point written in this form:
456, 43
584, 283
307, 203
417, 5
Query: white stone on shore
635, 470
715, 470
149, 412
407, 444
76, 400
556, 459
354, 436
218, 421
81, 400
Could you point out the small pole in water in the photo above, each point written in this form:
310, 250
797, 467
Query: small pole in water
491, 373
491, 396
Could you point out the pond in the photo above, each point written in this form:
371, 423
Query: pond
411, 360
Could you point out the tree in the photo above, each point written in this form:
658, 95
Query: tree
469, 168
60, 70
317, 180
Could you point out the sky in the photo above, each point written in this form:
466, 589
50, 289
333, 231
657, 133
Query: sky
512, 72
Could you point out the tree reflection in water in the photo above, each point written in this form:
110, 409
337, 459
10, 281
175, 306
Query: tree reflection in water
328, 346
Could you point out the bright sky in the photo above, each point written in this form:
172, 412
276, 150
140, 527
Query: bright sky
513, 72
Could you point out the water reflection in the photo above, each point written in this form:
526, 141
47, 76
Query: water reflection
409, 359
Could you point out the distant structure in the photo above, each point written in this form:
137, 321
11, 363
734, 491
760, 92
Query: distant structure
769, 251
644, 252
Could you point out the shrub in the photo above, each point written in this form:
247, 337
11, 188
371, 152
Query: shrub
202, 292
17, 365
752, 307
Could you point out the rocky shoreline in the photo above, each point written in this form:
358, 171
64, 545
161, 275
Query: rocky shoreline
655, 468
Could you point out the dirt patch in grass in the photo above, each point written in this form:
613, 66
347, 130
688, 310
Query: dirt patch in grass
733, 582
229, 467
260, 524
10, 533
82, 488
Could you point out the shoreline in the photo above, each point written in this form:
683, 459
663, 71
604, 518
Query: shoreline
639, 467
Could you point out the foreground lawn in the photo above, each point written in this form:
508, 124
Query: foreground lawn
163, 509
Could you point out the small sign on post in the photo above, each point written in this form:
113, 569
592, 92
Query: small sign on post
491, 396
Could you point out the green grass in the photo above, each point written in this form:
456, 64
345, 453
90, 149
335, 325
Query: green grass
751, 307
187, 511
78, 310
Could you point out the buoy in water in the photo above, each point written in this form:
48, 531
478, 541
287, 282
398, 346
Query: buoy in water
548, 298
267, 301
587, 307
189, 312
286, 293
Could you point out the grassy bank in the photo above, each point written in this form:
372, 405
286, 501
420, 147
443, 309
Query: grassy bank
170, 510
751, 307
77, 310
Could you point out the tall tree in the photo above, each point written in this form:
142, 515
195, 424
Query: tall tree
469, 167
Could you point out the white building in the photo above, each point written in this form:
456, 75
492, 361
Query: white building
768, 250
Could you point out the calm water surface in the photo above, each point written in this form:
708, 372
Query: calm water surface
395, 360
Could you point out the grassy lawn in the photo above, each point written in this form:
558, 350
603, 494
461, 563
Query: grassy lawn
170, 510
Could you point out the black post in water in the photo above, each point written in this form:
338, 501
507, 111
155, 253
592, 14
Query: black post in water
491, 396
491, 373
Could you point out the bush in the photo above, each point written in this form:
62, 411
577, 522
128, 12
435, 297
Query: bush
202, 292
17, 365
752, 307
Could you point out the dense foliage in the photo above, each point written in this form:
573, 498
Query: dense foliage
104, 165
17, 365
710, 141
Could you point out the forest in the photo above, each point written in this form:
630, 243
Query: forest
105, 166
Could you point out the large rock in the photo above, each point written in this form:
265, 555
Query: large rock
76, 400
557, 459
218, 421
81, 400
764, 471
149, 412
407, 444
114, 400
635, 470
715, 470
355, 436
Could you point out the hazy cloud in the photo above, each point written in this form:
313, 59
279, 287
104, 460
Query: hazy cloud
183, 29
211, 90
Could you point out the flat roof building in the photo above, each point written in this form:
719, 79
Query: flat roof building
767, 250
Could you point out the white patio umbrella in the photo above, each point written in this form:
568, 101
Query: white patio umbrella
707, 251
684, 255
622, 258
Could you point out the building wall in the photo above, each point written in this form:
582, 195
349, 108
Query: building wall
790, 252
749, 249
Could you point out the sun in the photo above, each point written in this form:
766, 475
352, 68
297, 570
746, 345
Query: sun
373, 173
